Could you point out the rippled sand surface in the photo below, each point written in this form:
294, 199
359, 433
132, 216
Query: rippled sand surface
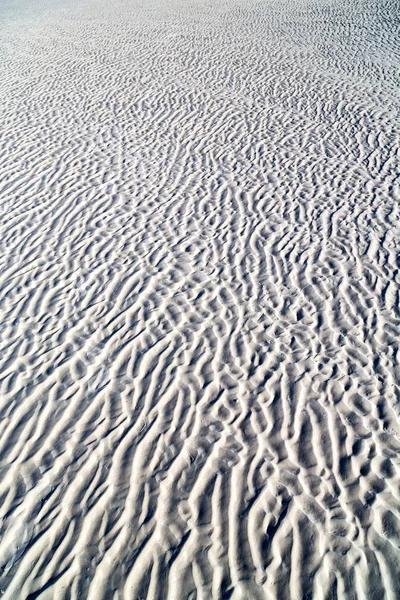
199, 300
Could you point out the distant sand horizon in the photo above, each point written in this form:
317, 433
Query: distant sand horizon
199, 300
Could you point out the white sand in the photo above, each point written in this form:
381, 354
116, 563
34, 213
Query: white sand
199, 302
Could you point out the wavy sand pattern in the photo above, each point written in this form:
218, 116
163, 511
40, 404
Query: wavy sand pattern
199, 305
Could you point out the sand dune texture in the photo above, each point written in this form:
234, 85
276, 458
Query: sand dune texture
199, 284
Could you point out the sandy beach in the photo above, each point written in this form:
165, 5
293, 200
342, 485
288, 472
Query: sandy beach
199, 300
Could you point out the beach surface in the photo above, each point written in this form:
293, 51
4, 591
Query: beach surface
199, 300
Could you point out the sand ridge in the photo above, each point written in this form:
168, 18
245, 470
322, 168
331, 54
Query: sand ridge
199, 300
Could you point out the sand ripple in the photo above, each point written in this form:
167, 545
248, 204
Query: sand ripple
199, 303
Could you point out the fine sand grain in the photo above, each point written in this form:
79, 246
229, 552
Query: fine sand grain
199, 299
